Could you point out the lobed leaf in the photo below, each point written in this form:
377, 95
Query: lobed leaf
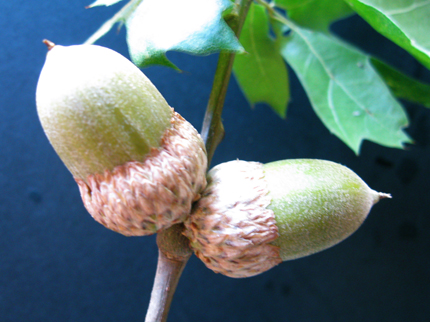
261, 72
402, 85
120, 17
345, 91
405, 22
315, 14
191, 26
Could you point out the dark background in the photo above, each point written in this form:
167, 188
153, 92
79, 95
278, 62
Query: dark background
58, 264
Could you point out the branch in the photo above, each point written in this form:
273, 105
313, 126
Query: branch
213, 130
173, 254
174, 249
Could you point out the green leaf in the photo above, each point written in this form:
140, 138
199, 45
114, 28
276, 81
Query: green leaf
119, 17
405, 22
103, 3
345, 91
315, 14
261, 72
191, 26
402, 85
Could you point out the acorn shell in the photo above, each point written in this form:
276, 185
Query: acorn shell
138, 164
316, 203
252, 216
98, 109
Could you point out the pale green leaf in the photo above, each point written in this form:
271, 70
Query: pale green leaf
315, 14
103, 3
345, 91
261, 72
405, 22
402, 85
119, 18
191, 26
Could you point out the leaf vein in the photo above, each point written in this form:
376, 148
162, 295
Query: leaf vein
335, 80
255, 48
333, 108
412, 40
407, 9
307, 64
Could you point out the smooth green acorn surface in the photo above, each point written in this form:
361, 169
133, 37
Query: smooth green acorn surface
98, 109
316, 204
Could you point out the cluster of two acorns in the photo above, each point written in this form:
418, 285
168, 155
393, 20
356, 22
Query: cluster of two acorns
142, 168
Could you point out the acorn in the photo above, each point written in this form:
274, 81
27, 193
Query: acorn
253, 216
138, 164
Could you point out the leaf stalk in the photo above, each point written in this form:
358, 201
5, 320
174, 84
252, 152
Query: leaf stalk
275, 15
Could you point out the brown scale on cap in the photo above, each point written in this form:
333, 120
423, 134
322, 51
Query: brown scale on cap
231, 230
142, 197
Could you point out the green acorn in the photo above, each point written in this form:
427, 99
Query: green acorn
138, 164
252, 217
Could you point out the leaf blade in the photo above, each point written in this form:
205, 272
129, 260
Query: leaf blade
345, 91
261, 73
190, 26
315, 14
402, 85
405, 22
119, 17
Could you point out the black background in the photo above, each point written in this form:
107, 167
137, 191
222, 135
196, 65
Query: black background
58, 264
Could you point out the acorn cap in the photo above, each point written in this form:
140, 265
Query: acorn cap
230, 227
252, 216
139, 165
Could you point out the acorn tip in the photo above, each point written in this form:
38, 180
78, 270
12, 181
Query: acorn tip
48, 44
377, 196
383, 195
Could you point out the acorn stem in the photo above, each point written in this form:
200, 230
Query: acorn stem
174, 252
166, 280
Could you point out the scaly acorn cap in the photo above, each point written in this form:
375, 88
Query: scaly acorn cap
252, 217
138, 164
